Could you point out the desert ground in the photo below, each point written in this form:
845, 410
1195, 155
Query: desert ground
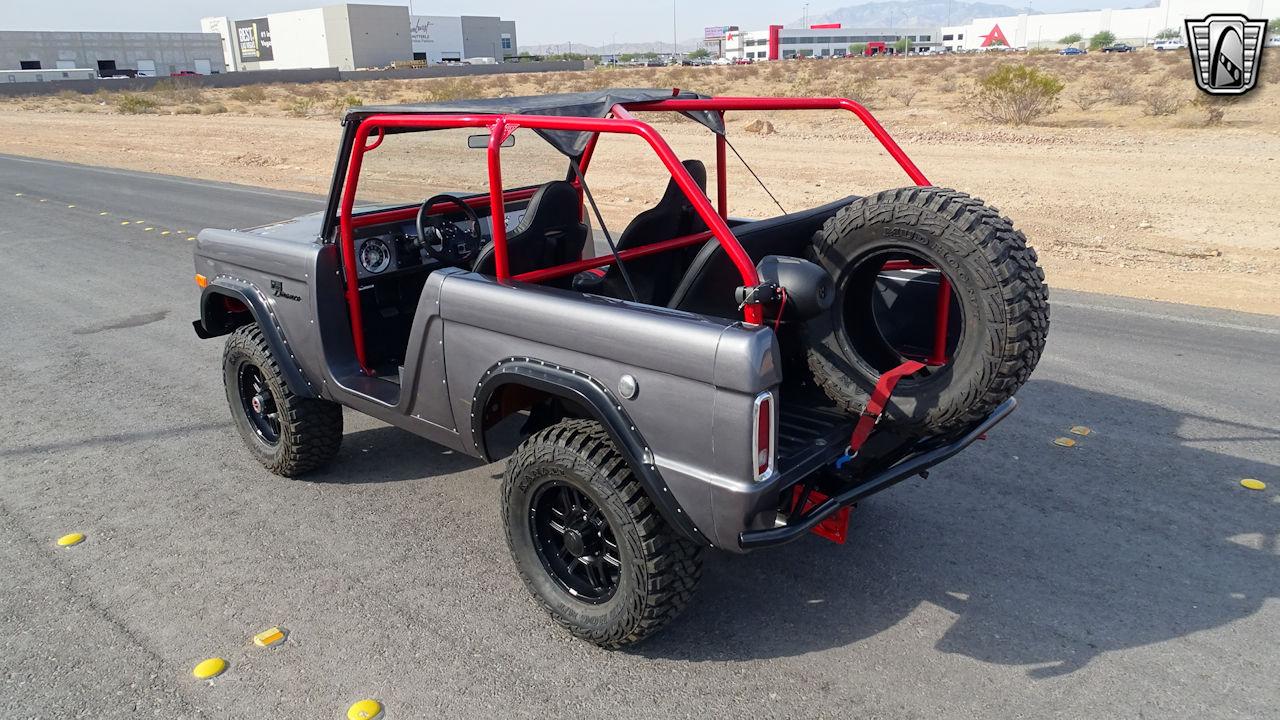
1129, 187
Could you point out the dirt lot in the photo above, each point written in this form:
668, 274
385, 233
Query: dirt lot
1118, 198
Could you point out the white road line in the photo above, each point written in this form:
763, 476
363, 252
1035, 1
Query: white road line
165, 179
1161, 316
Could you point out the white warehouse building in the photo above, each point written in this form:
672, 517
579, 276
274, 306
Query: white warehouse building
1135, 26
819, 41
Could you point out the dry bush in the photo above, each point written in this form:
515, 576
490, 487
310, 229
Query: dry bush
339, 105
455, 88
1140, 63
178, 90
250, 94
1016, 95
1160, 101
71, 96
300, 106
1214, 107
213, 109
904, 93
134, 104
187, 110
1120, 91
1087, 97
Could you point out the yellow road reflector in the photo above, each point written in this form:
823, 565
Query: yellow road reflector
1253, 484
104, 213
164, 232
268, 637
192, 238
17, 194
1064, 442
70, 206
44, 199
148, 229
71, 539
211, 668
365, 710
1080, 430
124, 222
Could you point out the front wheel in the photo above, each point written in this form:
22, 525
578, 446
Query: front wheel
588, 542
288, 434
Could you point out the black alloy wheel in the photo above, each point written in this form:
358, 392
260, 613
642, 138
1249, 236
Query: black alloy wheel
259, 404
575, 542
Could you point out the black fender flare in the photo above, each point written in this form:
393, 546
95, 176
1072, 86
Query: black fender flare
210, 326
592, 395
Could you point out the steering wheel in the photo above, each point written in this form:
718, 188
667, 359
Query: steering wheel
444, 240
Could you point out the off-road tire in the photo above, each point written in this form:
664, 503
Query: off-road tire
310, 429
659, 568
995, 276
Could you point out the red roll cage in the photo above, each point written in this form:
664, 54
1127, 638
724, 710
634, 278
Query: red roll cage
620, 120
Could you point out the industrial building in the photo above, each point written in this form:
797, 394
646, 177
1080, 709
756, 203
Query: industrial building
819, 41
354, 36
440, 38
147, 54
1136, 26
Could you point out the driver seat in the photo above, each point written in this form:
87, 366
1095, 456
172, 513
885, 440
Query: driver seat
550, 233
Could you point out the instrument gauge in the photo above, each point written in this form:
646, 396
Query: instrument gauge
375, 256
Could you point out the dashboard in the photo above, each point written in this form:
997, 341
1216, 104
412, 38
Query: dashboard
381, 252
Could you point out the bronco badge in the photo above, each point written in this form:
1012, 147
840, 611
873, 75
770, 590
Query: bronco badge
1226, 51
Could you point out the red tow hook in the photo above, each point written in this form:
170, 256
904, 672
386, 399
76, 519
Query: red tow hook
875, 408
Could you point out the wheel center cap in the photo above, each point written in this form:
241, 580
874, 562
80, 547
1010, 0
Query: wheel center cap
256, 403
575, 543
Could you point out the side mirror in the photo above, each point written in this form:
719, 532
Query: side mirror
480, 142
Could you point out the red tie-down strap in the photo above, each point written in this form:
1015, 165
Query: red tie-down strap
875, 406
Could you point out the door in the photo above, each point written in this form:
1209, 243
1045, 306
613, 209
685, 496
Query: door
204, 67
146, 68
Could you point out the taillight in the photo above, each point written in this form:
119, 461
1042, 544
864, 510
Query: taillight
765, 436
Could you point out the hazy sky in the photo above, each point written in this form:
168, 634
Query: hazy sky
538, 21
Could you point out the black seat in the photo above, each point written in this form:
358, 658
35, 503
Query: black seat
655, 276
550, 233
708, 285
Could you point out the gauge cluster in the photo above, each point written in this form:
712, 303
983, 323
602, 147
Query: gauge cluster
379, 255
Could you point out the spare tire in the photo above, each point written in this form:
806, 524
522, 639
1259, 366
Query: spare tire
998, 308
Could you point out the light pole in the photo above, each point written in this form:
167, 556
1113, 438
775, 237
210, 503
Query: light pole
675, 42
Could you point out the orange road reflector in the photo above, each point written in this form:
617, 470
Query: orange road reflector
268, 637
1253, 484
211, 668
365, 710
202, 281
1081, 430
1065, 442
71, 539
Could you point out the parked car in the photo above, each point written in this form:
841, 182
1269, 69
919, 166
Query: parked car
722, 61
184, 73
655, 413
1162, 45
1118, 48
1073, 51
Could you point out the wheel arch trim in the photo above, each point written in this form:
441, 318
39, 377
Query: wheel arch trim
261, 309
594, 397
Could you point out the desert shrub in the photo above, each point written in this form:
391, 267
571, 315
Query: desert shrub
134, 104
187, 110
456, 88
1087, 97
860, 87
340, 104
250, 94
1161, 101
1071, 39
300, 107
178, 90
70, 96
904, 93
1120, 91
1016, 95
1214, 107
213, 109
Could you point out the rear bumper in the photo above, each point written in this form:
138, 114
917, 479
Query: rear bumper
926, 457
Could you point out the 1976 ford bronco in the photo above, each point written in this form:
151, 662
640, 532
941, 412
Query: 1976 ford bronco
695, 381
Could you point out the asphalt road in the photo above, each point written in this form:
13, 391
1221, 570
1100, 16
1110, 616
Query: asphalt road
1128, 576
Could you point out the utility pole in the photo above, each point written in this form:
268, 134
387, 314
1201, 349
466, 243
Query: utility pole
675, 42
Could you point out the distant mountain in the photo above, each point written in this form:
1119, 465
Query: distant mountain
656, 46
911, 13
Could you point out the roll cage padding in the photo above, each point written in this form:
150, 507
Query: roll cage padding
595, 398
257, 304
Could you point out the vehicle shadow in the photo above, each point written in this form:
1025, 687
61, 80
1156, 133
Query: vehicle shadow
1046, 556
388, 454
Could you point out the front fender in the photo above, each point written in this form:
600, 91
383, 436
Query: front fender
215, 320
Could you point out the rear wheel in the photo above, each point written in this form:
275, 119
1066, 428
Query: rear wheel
587, 541
289, 435
998, 307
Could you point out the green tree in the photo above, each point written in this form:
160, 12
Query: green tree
902, 45
1071, 39
699, 54
1169, 34
857, 48
1102, 40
